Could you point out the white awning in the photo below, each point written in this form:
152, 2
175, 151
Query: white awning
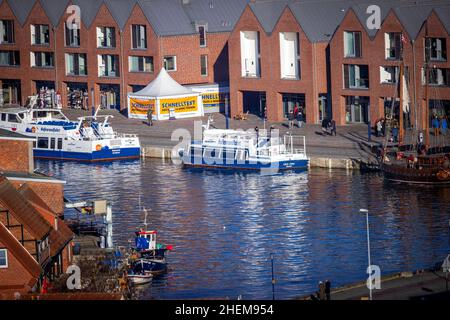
163, 86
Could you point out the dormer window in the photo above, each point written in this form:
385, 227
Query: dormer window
352, 44
202, 33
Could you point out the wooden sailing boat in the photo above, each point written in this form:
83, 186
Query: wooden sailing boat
416, 162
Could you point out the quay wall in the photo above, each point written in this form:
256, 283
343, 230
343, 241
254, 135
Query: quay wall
315, 161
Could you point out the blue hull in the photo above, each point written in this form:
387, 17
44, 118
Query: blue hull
102, 155
254, 166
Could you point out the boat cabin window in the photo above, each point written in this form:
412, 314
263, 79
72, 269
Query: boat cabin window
52, 143
57, 115
21, 115
42, 143
39, 114
60, 143
3, 117
13, 118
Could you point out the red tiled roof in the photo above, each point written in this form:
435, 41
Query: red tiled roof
32, 197
22, 210
19, 252
61, 234
59, 238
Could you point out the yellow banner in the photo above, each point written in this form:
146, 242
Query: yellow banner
214, 99
180, 105
140, 107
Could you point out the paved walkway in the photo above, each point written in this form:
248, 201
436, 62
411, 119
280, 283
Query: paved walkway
347, 144
426, 285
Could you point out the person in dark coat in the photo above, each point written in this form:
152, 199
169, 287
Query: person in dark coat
328, 289
333, 128
325, 123
291, 118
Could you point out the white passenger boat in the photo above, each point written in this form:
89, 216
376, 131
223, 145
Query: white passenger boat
87, 139
245, 150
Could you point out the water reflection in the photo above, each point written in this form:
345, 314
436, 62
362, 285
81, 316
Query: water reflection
225, 225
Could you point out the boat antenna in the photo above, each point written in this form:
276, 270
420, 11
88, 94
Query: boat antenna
145, 218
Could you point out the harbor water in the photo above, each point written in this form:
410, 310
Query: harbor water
224, 226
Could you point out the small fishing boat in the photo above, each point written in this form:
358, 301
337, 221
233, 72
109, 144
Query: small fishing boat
149, 266
245, 150
139, 279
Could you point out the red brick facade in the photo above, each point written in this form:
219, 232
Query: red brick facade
321, 62
373, 55
186, 49
313, 71
16, 155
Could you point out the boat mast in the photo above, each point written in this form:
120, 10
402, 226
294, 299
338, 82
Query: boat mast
427, 79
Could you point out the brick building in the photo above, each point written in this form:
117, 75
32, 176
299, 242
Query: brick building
31, 224
273, 54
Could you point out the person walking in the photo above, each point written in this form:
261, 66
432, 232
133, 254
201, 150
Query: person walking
435, 125
300, 117
291, 118
444, 125
325, 126
379, 126
333, 128
150, 116
395, 133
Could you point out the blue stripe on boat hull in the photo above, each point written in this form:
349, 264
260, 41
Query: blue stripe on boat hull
102, 155
282, 165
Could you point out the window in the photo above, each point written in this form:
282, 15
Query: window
393, 45
72, 36
108, 65
139, 36
76, 64
3, 258
60, 143
289, 55
140, 64
202, 33
352, 44
389, 74
106, 37
3, 117
6, 31
13, 118
42, 143
435, 49
250, 54
41, 59
204, 65
437, 77
40, 34
356, 76
170, 63
9, 58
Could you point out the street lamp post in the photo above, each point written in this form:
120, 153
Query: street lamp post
368, 249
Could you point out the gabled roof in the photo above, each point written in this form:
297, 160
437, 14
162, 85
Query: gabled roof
89, 10
22, 210
34, 199
61, 233
167, 17
120, 10
21, 9
19, 252
268, 13
220, 15
54, 9
163, 86
412, 18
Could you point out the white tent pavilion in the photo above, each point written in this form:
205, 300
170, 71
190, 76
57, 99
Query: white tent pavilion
167, 98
